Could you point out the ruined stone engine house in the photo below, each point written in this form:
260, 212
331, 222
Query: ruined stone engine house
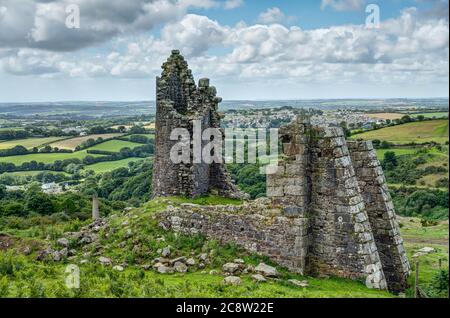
327, 212
178, 103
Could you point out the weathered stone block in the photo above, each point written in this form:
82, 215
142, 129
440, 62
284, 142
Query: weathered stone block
274, 191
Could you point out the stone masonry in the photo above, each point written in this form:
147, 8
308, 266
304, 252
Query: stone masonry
380, 209
327, 211
178, 103
341, 189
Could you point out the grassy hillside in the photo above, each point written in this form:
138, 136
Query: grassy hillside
31, 278
133, 239
417, 236
29, 143
417, 132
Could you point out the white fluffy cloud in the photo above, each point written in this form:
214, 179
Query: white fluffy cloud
274, 15
194, 34
343, 5
404, 50
41, 23
233, 4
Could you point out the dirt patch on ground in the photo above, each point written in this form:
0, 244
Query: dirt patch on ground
21, 245
6, 242
419, 240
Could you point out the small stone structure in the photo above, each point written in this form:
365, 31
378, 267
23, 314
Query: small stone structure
179, 102
328, 210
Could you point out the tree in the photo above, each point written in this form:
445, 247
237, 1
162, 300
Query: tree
390, 160
406, 119
38, 202
385, 144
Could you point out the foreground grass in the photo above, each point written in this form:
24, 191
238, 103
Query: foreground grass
417, 132
22, 276
416, 237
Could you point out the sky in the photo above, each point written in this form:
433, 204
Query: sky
250, 49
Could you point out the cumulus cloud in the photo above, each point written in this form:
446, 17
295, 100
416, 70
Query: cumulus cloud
194, 34
343, 5
233, 4
403, 50
274, 15
41, 23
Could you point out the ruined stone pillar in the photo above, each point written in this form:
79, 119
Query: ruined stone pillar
342, 243
380, 210
95, 209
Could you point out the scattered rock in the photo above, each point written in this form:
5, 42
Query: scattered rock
163, 269
26, 250
250, 269
424, 251
178, 259
213, 272
84, 261
190, 262
165, 251
299, 283
259, 278
118, 268
125, 223
232, 280
230, 268
203, 256
128, 234
266, 270
104, 260
239, 261
63, 242
427, 250
180, 267
64, 252
56, 255
146, 266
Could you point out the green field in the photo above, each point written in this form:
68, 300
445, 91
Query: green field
32, 173
114, 145
45, 157
72, 143
417, 132
28, 143
106, 166
149, 136
431, 115
397, 151
416, 237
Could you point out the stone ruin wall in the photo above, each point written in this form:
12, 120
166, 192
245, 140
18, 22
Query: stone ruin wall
178, 103
256, 226
328, 213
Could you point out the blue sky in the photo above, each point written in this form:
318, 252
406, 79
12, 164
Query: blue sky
251, 49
